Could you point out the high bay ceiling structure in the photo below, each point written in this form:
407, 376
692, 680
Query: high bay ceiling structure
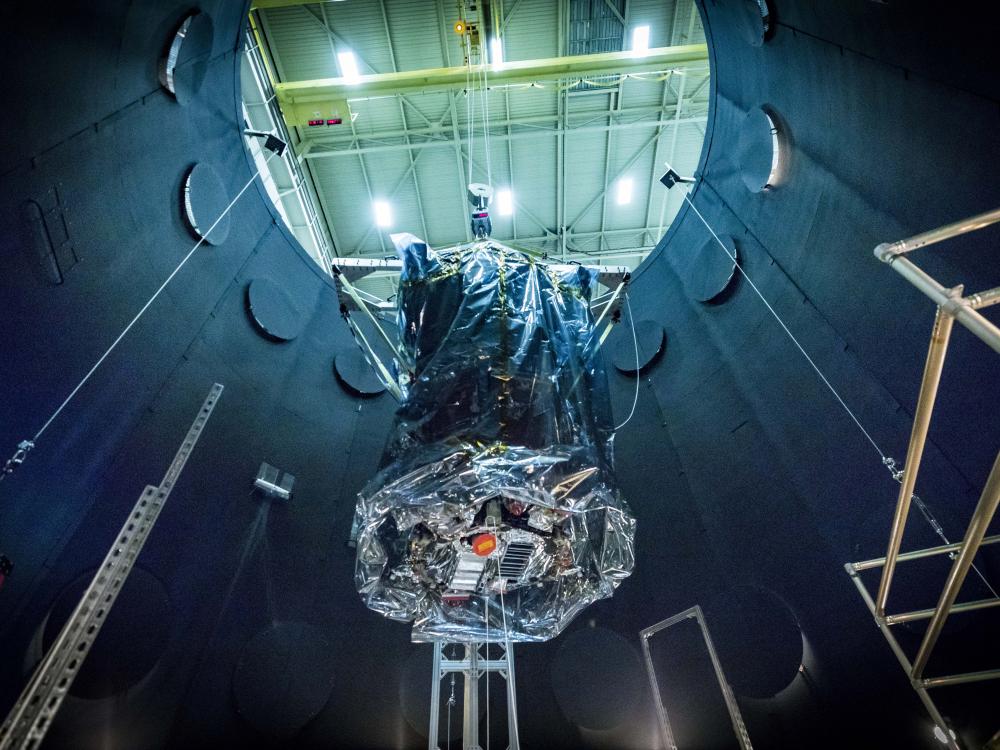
572, 109
148, 261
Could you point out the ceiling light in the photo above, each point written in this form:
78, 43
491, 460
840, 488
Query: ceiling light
496, 53
640, 40
624, 191
505, 202
348, 67
383, 214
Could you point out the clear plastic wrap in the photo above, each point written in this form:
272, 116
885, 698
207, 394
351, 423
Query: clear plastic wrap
497, 511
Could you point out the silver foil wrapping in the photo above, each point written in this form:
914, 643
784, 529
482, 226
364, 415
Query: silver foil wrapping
495, 515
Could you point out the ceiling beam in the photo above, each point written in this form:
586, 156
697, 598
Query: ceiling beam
300, 98
531, 123
286, 3
314, 153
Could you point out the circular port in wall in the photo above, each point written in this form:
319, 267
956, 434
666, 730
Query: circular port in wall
651, 340
711, 269
761, 150
273, 311
183, 67
205, 200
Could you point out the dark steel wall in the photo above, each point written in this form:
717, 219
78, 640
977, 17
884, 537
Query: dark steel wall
751, 486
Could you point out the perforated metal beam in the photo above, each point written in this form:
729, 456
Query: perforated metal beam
32, 715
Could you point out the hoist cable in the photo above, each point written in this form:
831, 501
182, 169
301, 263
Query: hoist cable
28, 445
635, 345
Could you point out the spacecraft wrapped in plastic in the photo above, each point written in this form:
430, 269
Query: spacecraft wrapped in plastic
497, 511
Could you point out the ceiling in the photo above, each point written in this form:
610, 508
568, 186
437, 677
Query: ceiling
559, 144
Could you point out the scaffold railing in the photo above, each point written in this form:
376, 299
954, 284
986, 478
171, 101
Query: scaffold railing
952, 306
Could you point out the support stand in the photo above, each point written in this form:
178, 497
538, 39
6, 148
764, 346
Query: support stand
475, 662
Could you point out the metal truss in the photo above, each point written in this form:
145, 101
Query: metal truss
475, 662
952, 307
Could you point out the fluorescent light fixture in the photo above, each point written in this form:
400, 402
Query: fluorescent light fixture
640, 40
505, 202
624, 191
348, 66
496, 53
383, 214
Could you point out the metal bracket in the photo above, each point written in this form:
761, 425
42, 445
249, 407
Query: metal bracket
18, 458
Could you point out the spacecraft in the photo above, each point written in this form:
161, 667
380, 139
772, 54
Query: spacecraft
496, 514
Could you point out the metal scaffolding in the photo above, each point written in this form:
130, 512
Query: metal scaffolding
474, 664
952, 307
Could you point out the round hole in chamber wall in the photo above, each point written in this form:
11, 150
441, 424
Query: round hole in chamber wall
597, 678
205, 204
284, 678
183, 67
132, 638
711, 269
756, 21
761, 149
273, 310
650, 341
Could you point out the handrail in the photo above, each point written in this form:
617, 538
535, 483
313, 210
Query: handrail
932, 236
951, 301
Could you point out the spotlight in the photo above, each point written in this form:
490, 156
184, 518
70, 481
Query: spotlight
671, 178
271, 141
640, 41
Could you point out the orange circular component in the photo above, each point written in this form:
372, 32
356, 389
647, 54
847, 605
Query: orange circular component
484, 544
459, 27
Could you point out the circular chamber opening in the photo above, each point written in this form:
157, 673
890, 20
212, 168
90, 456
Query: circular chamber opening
355, 374
284, 678
131, 640
761, 149
710, 270
572, 161
205, 204
756, 22
273, 310
597, 678
758, 640
650, 340
183, 67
